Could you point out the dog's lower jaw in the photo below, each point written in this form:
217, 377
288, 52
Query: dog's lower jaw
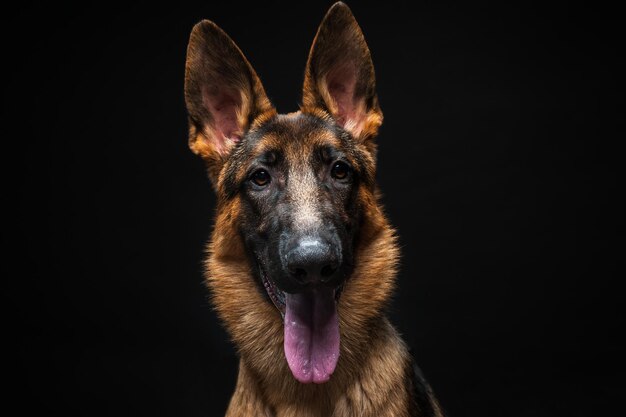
380, 387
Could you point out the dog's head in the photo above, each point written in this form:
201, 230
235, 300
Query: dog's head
296, 186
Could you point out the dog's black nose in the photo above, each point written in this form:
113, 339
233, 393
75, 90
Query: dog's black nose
312, 261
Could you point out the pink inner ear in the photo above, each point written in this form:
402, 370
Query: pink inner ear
341, 82
223, 106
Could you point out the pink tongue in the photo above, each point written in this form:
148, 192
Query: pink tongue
311, 335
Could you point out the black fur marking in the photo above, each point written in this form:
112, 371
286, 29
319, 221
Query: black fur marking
422, 401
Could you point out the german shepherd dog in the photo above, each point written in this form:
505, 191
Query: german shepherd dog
302, 259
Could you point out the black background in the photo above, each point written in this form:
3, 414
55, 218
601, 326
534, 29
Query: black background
497, 161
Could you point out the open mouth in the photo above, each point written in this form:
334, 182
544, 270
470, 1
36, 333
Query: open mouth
311, 330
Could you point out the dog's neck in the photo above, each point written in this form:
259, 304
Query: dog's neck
369, 381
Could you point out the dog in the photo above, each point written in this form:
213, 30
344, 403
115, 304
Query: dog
302, 260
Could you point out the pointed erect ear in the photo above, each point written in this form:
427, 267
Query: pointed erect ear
339, 76
222, 92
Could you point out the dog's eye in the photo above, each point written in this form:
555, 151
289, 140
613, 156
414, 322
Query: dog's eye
261, 177
340, 170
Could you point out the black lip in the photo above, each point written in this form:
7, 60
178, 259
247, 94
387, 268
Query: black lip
274, 293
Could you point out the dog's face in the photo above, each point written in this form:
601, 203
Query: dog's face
297, 178
293, 183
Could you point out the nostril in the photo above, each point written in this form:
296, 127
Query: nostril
327, 271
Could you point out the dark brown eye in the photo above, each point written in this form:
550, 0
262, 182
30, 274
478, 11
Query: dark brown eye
340, 170
261, 177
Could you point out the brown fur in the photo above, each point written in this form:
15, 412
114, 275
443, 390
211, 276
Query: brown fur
372, 377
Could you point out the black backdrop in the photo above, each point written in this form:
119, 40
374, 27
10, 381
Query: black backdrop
496, 161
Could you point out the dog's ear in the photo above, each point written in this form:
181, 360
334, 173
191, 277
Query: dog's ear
222, 92
339, 76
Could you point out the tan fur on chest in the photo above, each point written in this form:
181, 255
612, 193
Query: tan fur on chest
378, 389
